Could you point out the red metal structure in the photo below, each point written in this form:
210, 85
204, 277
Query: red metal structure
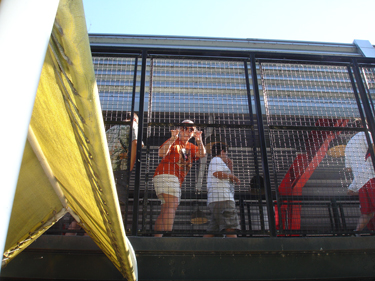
303, 166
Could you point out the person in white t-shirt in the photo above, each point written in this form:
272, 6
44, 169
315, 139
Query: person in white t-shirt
357, 161
220, 193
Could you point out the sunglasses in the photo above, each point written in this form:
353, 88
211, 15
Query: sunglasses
190, 129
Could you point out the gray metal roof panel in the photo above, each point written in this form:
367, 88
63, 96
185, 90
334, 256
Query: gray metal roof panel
232, 44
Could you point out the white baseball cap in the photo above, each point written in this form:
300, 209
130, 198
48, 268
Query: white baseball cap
187, 121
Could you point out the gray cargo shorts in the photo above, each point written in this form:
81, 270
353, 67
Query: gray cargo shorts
223, 216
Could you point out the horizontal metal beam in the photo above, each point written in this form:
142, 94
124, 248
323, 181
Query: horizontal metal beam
186, 53
78, 258
233, 44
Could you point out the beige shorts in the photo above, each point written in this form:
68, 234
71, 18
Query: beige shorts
167, 184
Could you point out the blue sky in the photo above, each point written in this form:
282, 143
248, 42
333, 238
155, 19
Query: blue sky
339, 21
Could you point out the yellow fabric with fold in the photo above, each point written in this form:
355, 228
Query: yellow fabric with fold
68, 127
36, 206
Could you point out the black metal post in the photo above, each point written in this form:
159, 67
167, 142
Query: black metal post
342, 216
366, 106
242, 215
252, 140
336, 215
133, 92
263, 148
147, 144
330, 217
130, 139
249, 217
139, 145
251, 120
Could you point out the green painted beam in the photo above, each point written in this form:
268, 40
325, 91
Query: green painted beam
173, 258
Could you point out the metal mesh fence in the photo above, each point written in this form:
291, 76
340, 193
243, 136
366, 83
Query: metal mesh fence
212, 94
309, 112
368, 76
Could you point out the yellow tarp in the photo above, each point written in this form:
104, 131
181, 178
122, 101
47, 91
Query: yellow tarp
66, 164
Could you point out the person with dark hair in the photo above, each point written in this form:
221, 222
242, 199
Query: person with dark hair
257, 185
178, 155
118, 137
220, 192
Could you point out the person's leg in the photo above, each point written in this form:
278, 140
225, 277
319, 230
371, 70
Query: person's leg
229, 218
230, 235
363, 221
121, 180
212, 225
165, 220
73, 226
366, 200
